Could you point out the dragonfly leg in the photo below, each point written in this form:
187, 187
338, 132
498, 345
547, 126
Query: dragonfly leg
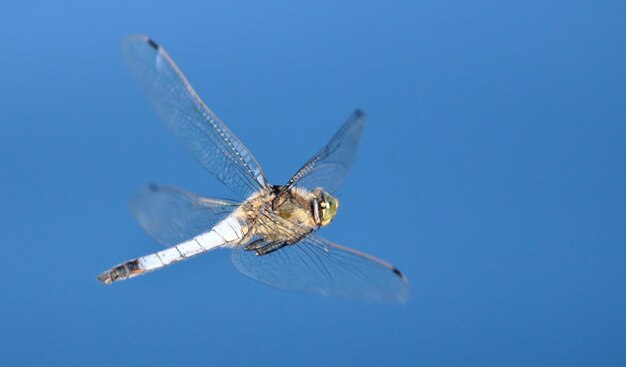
270, 247
254, 245
276, 245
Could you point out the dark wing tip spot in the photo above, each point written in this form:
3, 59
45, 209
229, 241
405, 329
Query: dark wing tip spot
153, 44
153, 187
397, 272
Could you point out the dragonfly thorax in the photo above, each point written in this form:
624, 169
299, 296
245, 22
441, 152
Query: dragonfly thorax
312, 209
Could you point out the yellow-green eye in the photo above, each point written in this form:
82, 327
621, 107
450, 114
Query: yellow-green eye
328, 208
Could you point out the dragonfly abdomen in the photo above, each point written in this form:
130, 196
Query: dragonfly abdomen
227, 232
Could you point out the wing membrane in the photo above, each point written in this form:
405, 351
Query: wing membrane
330, 166
171, 216
193, 124
316, 265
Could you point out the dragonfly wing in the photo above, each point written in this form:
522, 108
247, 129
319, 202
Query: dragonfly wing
315, 265
329, 168
194, 125
171, 216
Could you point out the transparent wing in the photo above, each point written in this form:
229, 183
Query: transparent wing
171, 216
330, 166
315, 265
194, 125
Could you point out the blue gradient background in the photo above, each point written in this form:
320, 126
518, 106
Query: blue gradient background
492, 172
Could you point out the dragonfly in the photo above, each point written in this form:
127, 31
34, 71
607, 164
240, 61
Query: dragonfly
271, 229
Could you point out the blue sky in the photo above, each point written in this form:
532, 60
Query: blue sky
491, 171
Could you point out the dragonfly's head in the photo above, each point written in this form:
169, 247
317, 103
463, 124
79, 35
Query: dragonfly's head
324, 207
